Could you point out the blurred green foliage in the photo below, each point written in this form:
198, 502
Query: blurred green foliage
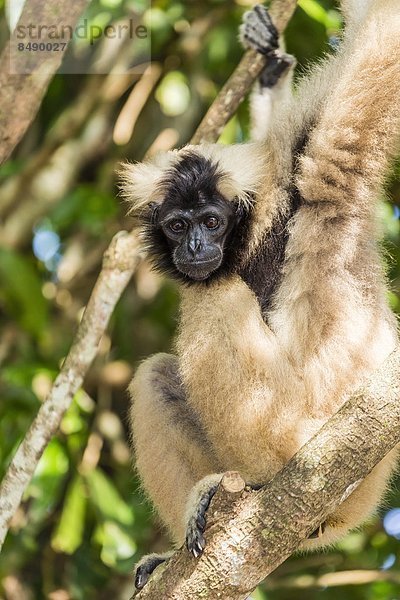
83, 522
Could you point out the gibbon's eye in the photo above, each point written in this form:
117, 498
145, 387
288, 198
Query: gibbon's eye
211, 222
177, 226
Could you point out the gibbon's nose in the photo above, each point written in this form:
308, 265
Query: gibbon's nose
194, 245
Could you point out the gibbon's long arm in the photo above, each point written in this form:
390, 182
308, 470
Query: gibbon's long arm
348, 152
274, 86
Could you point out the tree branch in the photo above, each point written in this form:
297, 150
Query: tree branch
237, 86
22, 94
249, 537
336, 579
112, 281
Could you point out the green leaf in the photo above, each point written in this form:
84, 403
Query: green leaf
46, 484
107, 499
21, 290
69, 533
115, 543
329, 18
390, 222
394, 301
258, 594
86, 206
72, 421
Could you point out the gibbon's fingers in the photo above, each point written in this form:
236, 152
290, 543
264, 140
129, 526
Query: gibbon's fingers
258, 32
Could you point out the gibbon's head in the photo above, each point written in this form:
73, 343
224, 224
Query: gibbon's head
193, 205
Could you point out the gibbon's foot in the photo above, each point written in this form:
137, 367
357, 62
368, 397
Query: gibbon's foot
318, 532
258, 32
146, 566
195, 541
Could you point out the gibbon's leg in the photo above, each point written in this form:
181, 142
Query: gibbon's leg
274, 84
172, 452
358, 507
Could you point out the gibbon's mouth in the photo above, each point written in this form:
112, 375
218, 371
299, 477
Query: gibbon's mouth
199, 270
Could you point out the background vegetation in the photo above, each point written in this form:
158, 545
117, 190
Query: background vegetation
83, 522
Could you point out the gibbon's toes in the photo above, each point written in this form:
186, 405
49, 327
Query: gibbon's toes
318, 532
257, 31
141, 577
195, 541
145, 568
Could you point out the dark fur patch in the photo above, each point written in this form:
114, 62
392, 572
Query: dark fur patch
263, 271
168, 383
192, 176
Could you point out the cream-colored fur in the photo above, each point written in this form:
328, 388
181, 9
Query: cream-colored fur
245, 395
240, 166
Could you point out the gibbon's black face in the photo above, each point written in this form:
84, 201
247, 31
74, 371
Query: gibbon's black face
197, 235
193, 233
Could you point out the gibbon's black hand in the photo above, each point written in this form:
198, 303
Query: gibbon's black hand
259, 33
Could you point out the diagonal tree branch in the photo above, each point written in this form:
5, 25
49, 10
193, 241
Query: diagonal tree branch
251, 535
237, 86
21, 94
120, 262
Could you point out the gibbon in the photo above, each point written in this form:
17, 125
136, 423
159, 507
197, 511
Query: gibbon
283, 295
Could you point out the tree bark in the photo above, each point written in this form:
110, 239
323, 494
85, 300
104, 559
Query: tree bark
22, 94
248, 537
